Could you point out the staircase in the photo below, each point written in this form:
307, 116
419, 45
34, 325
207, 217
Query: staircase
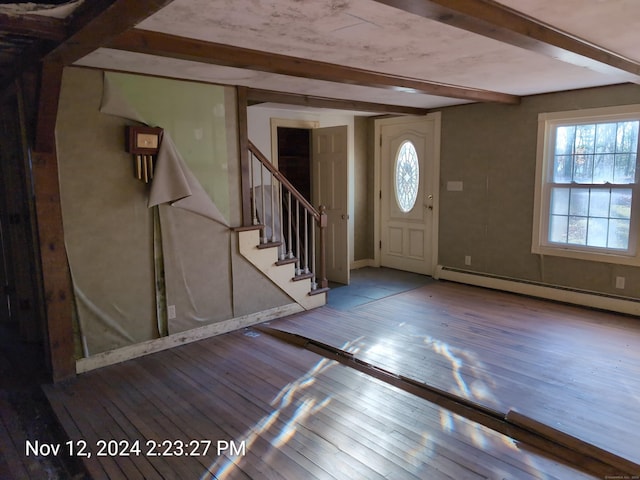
281, 238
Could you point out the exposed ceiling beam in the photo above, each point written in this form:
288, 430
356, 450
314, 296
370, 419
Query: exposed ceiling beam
164, 45
257, 95
494, 20
34, 26
95, 31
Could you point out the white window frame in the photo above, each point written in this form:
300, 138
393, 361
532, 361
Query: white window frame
547, 122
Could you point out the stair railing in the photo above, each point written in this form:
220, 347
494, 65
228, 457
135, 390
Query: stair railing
288, 219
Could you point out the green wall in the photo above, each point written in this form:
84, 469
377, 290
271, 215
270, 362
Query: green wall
492, 149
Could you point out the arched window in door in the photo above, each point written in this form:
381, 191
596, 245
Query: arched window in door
407, 176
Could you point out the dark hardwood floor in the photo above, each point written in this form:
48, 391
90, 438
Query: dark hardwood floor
575, 369
299, 415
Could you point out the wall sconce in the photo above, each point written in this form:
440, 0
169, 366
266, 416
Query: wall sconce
143, 143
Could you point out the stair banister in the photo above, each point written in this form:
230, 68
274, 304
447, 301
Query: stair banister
319, 215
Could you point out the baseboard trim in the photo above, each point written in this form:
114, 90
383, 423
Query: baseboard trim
367, 262
156, 345
627, 306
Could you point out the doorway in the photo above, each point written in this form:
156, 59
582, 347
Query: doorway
407, 158
315, 160
294, 157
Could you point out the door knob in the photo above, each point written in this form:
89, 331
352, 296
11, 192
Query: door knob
430, 198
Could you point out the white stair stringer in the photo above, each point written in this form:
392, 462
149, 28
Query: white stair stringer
264, 259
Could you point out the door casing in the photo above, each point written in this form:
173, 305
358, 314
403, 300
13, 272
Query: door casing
434, 120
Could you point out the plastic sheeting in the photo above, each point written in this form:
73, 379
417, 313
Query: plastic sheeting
126, 269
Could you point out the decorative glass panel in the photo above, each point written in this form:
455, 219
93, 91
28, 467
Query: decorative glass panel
407, 176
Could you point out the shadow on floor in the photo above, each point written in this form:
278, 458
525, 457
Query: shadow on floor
369, 284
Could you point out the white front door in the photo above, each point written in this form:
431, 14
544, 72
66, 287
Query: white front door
408, 193
330, 168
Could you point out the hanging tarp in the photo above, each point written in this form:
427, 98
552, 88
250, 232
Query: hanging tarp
115, 258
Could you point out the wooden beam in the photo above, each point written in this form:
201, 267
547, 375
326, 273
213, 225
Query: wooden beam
34, 26
164, 45
31, 55
495, 20
93, 32
243, 150
55, 269
257, 95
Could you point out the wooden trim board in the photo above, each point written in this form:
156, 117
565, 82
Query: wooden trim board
156, 345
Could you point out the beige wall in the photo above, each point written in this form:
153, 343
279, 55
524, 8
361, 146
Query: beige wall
109, 231
492, 150
363, 189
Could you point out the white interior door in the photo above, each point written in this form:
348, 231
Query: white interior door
330, 169
408, 189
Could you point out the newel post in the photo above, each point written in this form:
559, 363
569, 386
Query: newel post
324, 283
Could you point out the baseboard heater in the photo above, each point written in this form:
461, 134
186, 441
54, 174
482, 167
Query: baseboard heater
586, 298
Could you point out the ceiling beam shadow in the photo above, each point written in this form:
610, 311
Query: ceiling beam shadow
182, 48
499, 22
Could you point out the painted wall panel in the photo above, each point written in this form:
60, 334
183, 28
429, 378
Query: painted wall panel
492, 150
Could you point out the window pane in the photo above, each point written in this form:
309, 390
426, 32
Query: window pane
619, 234
558, 228
565, 137
606, 137
583, 169
598, 232
560, 201
599, 203
579, 204
585, 139
625, 168
603, 168
562, 169
621, 203
577, 230
627, 138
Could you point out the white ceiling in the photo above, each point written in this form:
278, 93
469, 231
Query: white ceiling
372, 36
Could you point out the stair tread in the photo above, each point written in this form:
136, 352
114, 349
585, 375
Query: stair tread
302, 276
287, 261
269, 245
318, 291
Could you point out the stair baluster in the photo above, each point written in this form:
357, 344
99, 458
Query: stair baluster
298, 242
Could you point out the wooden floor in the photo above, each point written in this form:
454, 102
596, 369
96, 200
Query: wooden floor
296, 415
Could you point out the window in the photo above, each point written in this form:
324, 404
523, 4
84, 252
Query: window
587, 189
407, 175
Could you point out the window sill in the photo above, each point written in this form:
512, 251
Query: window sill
568, 252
